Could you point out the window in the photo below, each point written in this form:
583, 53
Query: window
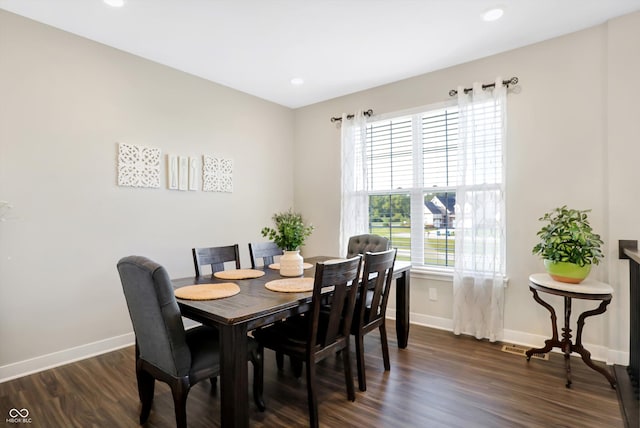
412, 173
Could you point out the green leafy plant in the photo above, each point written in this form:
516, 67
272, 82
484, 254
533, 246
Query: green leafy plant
290, 231
568, 237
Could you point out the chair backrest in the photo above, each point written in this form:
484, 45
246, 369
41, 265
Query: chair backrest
215, 257
360, 244
265, 251
378, 268
331, 318
155, 315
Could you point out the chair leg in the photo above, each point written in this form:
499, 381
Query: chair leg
257, 358
311, 394
279, 360
362, 380
146, 385
214, 382
296, 367
180, 390
385, 347
348, 377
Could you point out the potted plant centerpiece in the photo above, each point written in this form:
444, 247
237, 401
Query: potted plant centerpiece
568, 245
289, 233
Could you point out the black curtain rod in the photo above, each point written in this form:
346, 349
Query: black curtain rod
512, 81
367, 113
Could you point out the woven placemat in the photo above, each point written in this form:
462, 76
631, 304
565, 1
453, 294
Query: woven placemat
239, 274
276, 266
290, 285
207, 291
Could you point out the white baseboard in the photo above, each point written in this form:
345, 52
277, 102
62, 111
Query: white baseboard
66, 356
617, 357
55, 359
425, 320
598, 353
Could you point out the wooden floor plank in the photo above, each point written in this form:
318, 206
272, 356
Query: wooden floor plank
440, 380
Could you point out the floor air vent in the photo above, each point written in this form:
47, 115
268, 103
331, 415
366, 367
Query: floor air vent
520, 350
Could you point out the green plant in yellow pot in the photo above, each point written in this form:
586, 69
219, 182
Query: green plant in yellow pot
568, 244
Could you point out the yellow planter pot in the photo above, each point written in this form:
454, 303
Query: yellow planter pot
567, 272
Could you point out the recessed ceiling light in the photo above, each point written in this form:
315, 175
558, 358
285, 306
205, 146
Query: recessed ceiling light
297, 81
493, 14
114, 3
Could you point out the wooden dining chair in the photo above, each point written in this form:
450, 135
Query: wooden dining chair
360, 244
371, 306
216, 257
319, 333
265, 251
164, 350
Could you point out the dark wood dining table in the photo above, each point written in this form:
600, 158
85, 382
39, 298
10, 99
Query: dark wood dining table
256, 306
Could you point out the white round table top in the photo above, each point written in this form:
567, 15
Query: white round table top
588, 286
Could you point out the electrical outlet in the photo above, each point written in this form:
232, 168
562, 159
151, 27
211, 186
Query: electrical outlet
433, 294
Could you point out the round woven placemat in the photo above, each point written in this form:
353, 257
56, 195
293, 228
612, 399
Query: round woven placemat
207, 291
290, 285
239, 274
276, 266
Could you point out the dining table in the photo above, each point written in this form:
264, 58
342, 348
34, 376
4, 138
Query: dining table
256, 306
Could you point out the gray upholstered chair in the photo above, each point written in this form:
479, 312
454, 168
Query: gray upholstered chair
371, 307
265, 251
360, 244
164, 350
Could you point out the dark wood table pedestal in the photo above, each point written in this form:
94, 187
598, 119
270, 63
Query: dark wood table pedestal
588, 290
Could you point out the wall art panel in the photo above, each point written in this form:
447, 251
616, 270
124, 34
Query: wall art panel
172, 172
183, 169
217, 174
193, 173
138, 166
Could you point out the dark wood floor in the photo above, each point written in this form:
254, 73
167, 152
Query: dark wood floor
440, 380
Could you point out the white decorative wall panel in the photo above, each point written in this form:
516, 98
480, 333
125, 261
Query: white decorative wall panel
193, 173
138, 166
172, 172
183, 170
217, 174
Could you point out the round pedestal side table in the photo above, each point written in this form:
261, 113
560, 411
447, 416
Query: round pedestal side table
587, 290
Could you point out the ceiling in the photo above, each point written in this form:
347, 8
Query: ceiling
337, 46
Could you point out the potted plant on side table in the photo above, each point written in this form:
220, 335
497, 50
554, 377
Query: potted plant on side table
568, 244
289, 233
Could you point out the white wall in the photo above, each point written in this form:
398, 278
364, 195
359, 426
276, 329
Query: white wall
65, 103
571, 123
622, 162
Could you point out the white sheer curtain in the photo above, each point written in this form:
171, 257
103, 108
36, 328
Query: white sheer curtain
479, 275
354, 212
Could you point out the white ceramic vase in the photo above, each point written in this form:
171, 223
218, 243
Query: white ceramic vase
291, 263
